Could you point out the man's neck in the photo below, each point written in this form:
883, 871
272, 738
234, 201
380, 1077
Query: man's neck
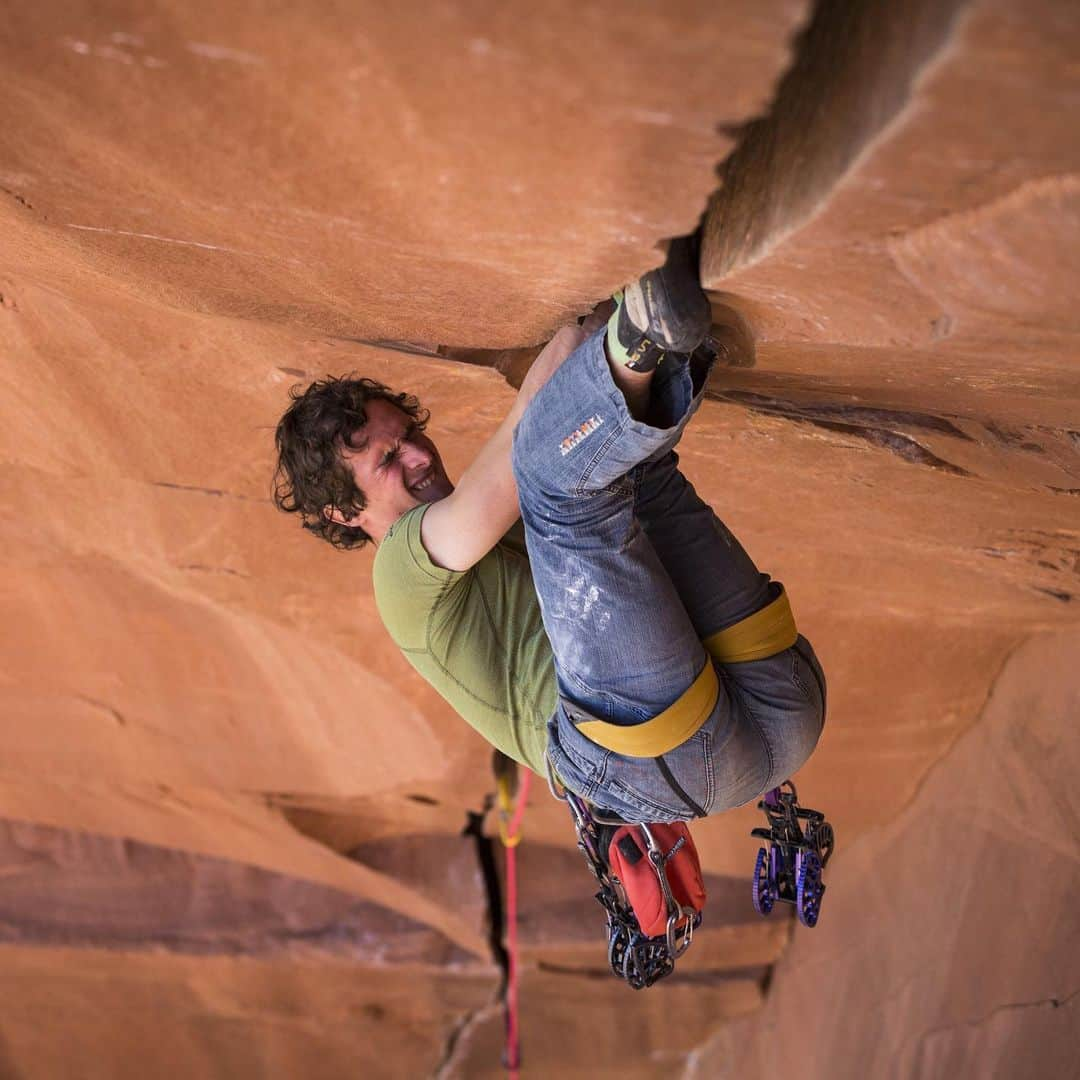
378, 529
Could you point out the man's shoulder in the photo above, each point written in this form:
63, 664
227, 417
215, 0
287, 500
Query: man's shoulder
401, 555
408, 585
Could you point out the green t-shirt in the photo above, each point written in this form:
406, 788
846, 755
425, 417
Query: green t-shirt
476, 635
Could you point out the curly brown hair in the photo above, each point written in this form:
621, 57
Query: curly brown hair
310, 474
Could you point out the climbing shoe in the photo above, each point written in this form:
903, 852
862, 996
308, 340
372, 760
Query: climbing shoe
663, 311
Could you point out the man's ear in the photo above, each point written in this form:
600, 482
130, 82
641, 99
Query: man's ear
332, 513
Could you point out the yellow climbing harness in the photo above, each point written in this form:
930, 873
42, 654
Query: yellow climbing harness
664, 732
765, 633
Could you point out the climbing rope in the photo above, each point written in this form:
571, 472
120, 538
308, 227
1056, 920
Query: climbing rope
509, 819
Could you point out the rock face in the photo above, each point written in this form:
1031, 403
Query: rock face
973, 972
458, 173
233, 819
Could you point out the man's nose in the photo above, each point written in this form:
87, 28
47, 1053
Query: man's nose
415, 456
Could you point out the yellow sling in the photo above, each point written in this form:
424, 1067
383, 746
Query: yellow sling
765, 633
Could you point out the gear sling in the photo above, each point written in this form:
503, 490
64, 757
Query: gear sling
649, 873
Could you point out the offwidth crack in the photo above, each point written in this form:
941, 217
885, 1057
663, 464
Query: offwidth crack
485, 857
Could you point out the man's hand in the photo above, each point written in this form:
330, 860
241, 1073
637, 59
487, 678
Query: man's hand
558, 349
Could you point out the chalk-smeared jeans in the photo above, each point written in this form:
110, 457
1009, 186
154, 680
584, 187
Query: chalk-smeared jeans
633, 571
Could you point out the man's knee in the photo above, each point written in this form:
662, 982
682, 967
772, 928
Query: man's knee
543, 458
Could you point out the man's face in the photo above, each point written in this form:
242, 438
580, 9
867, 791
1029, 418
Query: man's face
395, 465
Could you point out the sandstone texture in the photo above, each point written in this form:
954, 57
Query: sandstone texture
238, 837
974, 973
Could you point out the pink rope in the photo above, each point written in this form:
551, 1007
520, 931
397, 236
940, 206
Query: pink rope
513, 1055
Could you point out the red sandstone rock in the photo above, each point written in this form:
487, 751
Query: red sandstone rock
952, 933
464, 173
198, 213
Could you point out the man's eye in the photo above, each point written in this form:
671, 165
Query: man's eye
387, 458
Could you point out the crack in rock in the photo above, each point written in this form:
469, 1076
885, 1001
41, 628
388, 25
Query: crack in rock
872, 425
457, 1039
1057, 594
17, 197
855, 414
104, 707
216, 492
854, 72
1013, 1006
485, 858
1014, 440
202, 568
410, 348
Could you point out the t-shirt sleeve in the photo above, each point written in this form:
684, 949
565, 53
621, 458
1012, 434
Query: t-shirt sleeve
407, 584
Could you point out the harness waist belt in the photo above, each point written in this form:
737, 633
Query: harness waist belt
765, 633
664, 732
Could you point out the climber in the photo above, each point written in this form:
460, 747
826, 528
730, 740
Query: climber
618, 634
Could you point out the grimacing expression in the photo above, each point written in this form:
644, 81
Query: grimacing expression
394, 464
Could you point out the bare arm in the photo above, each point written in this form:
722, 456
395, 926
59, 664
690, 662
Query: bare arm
458, 531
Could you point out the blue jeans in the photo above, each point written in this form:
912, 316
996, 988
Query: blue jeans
633, 571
